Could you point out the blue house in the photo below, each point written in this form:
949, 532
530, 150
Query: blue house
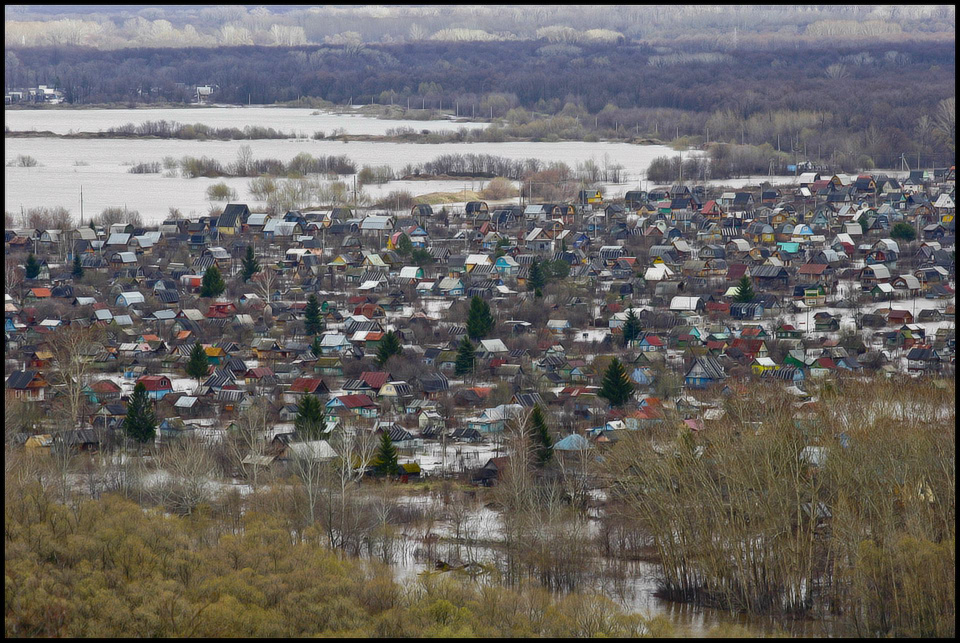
642, 375
705, 371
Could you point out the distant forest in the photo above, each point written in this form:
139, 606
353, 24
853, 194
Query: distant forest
859, 104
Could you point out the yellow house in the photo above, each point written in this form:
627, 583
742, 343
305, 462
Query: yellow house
762, 364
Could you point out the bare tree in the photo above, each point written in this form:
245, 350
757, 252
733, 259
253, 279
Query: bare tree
71, 348
248, 444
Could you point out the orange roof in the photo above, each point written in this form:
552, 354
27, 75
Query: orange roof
40, 292
151, 338
183, 334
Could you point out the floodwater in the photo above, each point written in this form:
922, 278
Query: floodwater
101, 166
284, 119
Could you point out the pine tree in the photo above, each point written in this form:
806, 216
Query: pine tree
32, 268
77, 271
310, 421
141, 422
312, 321
315, 347
404, 245
617, 387
389, 346
250, 265
479, 319
631, 328
197, 365
465, 357
212, 285
386, 459
537, 279
744, 292
540, 436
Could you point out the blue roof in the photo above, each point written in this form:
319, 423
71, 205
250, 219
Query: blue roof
573, 442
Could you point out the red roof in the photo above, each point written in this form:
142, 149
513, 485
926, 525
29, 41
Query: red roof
812, 269
105, 386
356, 401
375, 379
718, 306
155, 382
654, 340
749, 346
736, 271
305, 384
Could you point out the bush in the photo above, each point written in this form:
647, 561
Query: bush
499, 188
221, 192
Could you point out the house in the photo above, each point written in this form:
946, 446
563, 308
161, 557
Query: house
705, 371
29, 386
923, 359
157, 385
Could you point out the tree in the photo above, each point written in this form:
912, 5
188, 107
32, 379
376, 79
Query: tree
71, 347
141, 422
197, 364
404, 245
212, 285
315, 347
310, 421
32, 267
903, 231
421, 257
389, 346
386, 459
479, 319
540, 436
250, 265
77, 271
313, 323
745, 292
537, 279
465, 357
617, 387
631, 328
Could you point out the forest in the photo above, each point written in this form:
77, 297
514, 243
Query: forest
796, 101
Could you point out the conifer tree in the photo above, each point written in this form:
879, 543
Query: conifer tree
386, 459
537, 278
310, 421
540, 436
77, 271
479, 319
389, 346
616, 387
312, 320
250, 265
212, 285
744, 292
315, 347
32, 268
404, 245
465, 357
141, 422
197, 365
631, 328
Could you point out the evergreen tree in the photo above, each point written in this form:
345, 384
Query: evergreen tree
312, 321
310, 421
77, 271
212, 285
479, 319
386, 459
141, 422
631, 328
537, 278
540, 436
389, 346
315, 347
197, 365
903, 232
404, 246
32, 269
250, 265
465, 357
617, 387
745, 292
